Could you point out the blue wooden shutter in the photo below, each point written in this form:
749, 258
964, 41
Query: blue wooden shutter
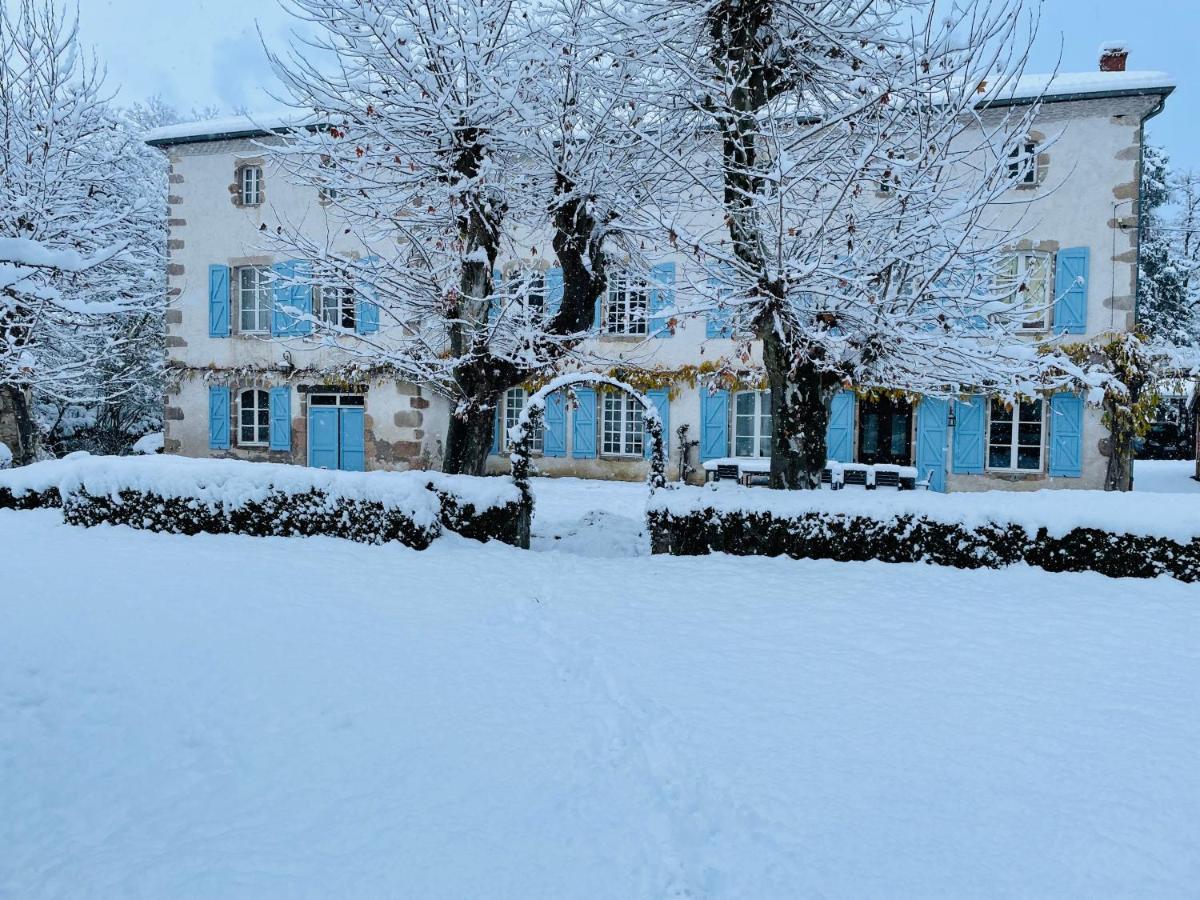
931, 441
281, 418
1066, 435
281, 291
554, 292
367, 319
218, 418
714, 424
323, 437
718, 321
352, 439
218, 301
970, 419
583, 424
839, 432
554, 429
662, 296
289, 292
493, 311
661, 398
1071, 290
497, 425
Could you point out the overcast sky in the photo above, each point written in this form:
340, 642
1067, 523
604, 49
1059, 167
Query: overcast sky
200, 52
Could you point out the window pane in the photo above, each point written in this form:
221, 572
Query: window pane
745, 403
1030, 434
1001, 433
743, 445
1029, 458
1000, 457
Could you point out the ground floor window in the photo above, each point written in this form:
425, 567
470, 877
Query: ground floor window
514, 404
254, 418
622, 433
885, 432
1015, 436
752, 423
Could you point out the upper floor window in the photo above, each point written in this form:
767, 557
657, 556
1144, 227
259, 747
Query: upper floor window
250, 185
254, 300
254, 418
337, 305
752, 423
1026, 278
626, 310
528, 289
514, 404
1015, 436
622, 431
1022, 162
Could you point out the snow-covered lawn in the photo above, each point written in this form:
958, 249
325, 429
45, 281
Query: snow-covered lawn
223, 716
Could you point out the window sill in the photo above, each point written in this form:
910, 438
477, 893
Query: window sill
624, 338
1016, 474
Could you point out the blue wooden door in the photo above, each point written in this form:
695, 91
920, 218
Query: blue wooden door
932, 414
323, 437
353, 443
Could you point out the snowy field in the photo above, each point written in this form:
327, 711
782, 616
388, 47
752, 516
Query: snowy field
265, 717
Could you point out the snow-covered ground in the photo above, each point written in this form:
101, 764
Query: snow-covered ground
1165, 476
268, 717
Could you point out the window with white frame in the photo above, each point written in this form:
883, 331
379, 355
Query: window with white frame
1015, 436
1026, 278
529, 287
1022, 162
250, 184
514, 404
254, 300
627, 307
254, 418
337, 305
622, 431
752, 423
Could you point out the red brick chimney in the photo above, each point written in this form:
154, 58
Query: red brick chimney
1113, 56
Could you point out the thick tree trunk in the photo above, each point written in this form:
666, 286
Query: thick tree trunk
17, 428
469, 437
798, 419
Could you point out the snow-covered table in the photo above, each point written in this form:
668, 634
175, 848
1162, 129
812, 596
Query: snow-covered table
837, 474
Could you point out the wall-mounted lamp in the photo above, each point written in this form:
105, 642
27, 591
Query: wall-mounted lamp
950, 415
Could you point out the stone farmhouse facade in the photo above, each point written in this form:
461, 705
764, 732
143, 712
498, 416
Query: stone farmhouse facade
247, 383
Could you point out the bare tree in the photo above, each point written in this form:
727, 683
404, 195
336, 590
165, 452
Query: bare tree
850, 151
70, 266
456, 141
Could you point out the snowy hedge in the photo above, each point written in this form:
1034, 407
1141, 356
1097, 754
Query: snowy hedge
1120, 535
188, 496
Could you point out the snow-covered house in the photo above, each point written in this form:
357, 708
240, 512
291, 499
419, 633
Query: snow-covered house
248, 383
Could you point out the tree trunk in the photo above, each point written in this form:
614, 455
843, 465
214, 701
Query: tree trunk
17, 428
798, 419
1119, 474
469, 436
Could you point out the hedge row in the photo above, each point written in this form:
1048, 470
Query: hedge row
48, 498
277, 514
454, 505
908, 538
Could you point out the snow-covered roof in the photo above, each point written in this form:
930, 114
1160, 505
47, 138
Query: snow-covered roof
1074, 85
243, 126
1061, 86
